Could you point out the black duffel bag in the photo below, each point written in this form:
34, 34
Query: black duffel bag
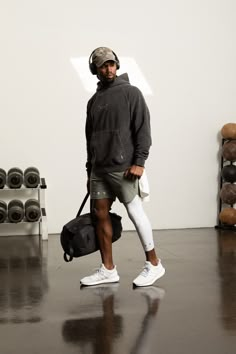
78, 236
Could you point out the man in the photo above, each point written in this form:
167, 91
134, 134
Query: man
118, 142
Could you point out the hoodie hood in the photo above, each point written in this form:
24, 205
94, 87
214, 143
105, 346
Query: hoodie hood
119, 80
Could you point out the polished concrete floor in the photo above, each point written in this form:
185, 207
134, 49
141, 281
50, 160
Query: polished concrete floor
192, 309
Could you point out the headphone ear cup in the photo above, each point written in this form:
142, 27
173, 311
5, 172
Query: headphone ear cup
93, 68
117, 61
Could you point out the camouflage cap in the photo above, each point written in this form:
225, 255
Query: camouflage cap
101, 55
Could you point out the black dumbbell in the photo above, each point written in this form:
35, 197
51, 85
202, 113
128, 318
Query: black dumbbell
3, 177
31, 177
15, 211
3, 211
32, 210
15, 178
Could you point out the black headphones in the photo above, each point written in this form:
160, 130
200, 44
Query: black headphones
93, 67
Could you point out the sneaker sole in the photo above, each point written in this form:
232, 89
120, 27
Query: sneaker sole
153, 281
104, 281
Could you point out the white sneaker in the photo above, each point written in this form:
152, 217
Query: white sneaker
149, 274
102, 275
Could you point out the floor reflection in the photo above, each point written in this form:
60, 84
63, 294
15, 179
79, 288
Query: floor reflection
100, 333
152, 295
227, 270
23, 278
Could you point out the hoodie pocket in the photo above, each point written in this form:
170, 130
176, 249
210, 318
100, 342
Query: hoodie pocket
107, 148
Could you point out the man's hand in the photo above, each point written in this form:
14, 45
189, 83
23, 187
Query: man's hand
134, 172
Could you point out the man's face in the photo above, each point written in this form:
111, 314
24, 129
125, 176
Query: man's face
107, 72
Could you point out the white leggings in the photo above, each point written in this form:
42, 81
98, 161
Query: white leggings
141, 222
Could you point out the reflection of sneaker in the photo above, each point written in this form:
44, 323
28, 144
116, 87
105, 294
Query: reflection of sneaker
102, 290
152, 292
149, 274
101, 276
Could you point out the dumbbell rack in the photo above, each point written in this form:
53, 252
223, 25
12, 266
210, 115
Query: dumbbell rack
40, 192
220, 225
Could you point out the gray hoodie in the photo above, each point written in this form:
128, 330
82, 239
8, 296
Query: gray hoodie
117, 127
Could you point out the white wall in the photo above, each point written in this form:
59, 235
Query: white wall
186, 51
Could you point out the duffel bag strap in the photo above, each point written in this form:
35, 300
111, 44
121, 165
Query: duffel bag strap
83, 204
69, 258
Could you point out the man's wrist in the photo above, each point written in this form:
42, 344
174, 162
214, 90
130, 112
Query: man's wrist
139, 162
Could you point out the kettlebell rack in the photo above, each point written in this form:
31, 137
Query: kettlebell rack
227, 188
27, 206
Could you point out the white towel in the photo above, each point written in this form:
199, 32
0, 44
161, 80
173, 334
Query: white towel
144, 190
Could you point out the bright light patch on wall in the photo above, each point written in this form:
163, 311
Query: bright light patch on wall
128, 65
